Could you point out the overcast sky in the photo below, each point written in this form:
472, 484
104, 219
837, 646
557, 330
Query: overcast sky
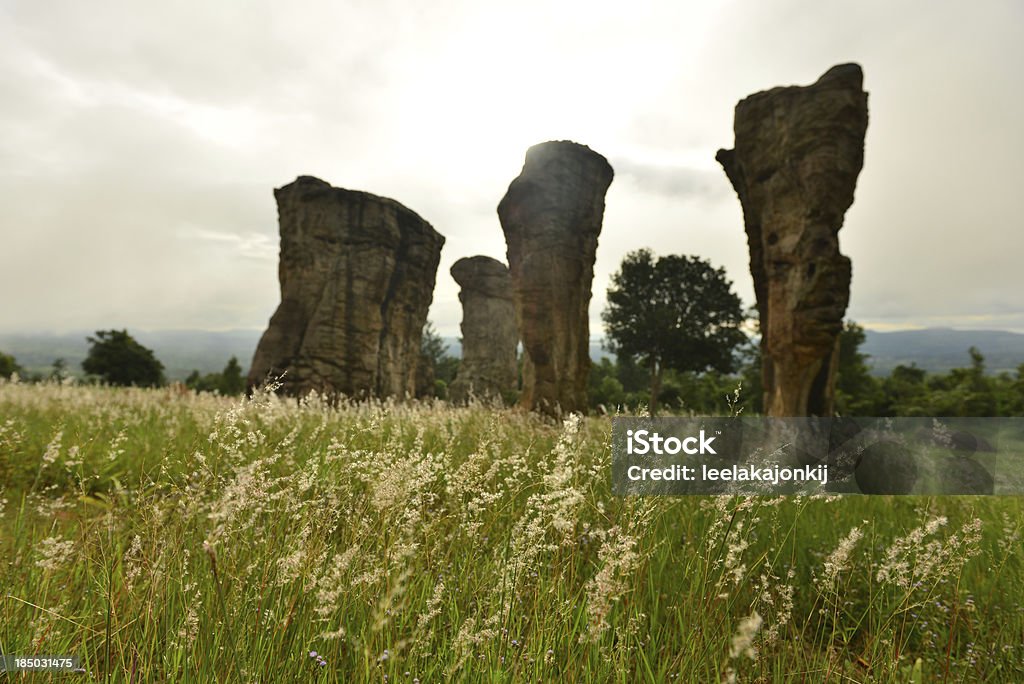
141, 142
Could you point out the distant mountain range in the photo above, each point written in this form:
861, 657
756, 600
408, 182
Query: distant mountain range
938, 350
181, 351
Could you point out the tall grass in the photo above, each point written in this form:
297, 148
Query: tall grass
169, 537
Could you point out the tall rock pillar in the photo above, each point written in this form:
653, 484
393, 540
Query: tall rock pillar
795, 163
357, 276
551, 216
489, 333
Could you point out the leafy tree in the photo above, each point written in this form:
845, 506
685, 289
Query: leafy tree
1013, 395
59, 370
857, 392
905, 392
232, 383
633, 377
677, 312
8, 366
229, 382
436, 368
431, 345
603, 387
446, 369
118, 359
963, 392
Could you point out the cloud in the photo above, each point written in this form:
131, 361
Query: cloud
142, 142
678, 182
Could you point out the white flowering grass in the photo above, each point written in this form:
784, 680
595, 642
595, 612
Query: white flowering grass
173, 537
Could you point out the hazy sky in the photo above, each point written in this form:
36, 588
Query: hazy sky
141, 141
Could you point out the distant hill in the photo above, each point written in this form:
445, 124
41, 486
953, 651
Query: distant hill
938, 350
935, 349
181, 351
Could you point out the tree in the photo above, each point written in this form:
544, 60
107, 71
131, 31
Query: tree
677, 312
8, 366
905, 392
117, 359
857, 392
964, 392
231, 381
1014, 395
436, 368
603, 388
59, 370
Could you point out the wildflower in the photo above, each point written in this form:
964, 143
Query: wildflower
132, 562
115, 446
53, 448
433, 605
839, 559
620, 558
743, 640
54, 552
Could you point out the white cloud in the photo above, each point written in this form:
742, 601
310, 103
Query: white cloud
142, 142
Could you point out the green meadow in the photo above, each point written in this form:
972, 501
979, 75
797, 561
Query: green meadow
163, 536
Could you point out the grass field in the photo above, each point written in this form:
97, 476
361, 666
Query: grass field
172, 537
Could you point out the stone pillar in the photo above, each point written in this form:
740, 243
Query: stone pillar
489, 334
357, 276
797, 156
551, 216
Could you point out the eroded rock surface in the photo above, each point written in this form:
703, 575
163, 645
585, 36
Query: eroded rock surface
797, 156
489, 333
357, 276
551, 216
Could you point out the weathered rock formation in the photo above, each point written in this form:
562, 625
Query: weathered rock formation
795, 164
551, 216
489, 332
357, 276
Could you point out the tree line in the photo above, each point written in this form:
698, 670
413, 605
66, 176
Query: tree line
681, 342
906, 391
116, 358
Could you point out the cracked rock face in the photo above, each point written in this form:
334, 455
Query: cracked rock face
795, 163
489, 333
551, 216
357, 276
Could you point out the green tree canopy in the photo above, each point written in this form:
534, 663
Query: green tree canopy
677, 311
436, 368
8, 366
857, 392
118, 359
232, 382
229, 382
